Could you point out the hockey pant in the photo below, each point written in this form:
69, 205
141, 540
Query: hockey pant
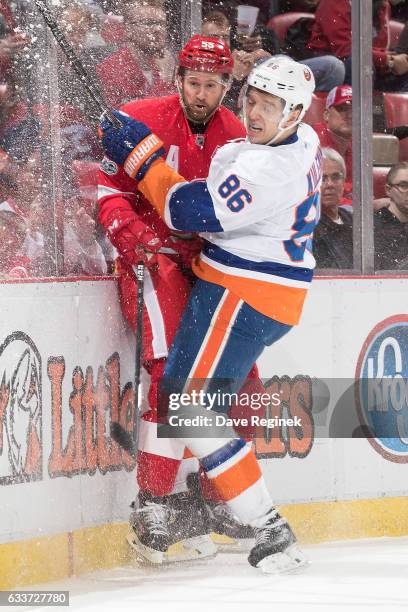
218, 340
161, 470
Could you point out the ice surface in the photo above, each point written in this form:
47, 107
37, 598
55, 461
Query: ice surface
358, 575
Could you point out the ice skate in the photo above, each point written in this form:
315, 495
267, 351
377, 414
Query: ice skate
190, 528
170, 529
228, 531
149, 533
276, 550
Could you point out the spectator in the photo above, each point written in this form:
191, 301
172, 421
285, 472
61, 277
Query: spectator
336, 130
333, 237
331, 33
217, 24
391, 222
79, 22
12, 42
142, 67
22, 194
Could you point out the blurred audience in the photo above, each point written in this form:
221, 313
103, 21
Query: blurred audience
331, 33
143, 66
216, 23
399, 10
391, 222
13, 231
333, 237
303, 6
336, 130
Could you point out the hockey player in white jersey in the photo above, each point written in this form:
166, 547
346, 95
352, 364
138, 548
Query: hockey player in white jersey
256, 212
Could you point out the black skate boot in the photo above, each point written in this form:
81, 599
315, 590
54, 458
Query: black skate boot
170, 528
223, 521
149, 533
276, 550
190, 527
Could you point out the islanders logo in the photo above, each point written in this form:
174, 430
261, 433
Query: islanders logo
382, 388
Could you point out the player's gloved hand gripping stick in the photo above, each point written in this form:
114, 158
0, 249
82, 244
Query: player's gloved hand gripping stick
113, 119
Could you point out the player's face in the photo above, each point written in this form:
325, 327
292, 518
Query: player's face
145, 28
398, 191
263, 115
339, 119
202, 94
332, 184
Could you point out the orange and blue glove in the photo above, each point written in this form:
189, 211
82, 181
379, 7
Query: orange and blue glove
132, 145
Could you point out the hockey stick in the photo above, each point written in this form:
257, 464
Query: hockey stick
76, 64
128, 441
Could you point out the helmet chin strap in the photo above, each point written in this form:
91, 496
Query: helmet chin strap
281, 129
226, 87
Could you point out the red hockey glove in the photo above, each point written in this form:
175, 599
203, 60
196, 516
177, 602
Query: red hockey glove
187, 249
134, 240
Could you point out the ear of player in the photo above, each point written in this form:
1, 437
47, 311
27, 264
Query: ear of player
132, 145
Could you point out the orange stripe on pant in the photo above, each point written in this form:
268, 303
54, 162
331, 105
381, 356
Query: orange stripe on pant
238, 477
220, 327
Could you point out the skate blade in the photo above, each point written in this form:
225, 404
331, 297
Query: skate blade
231, 545
288, 562
200, 547
144, 554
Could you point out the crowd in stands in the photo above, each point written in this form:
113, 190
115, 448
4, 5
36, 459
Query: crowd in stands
130, 49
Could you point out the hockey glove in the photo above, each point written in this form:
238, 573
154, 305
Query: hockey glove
132, 145
133, 239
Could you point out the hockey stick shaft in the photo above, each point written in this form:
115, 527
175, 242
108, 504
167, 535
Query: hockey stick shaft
123, 437
76, 64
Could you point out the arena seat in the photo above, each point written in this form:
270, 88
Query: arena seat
316, 109
281, 23
379, 177
395, 109
385, 150
395, 29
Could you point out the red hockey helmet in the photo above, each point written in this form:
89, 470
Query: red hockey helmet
207, 54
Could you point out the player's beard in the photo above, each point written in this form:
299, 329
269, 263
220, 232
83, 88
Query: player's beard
196, 114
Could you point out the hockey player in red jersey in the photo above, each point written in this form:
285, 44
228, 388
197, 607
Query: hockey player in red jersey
192, 125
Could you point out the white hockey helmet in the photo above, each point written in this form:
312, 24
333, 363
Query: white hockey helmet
283, 77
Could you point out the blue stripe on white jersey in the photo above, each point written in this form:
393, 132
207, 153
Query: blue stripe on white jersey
190, 207
217, 254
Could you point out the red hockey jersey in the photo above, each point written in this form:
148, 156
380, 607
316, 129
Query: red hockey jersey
190, 154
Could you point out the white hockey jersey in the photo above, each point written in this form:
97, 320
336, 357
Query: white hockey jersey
256, 211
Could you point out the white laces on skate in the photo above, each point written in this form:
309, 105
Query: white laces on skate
155, 518
268, 532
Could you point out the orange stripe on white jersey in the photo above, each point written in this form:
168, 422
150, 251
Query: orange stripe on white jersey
280, 302
157, 182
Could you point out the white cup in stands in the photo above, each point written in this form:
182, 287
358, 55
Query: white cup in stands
246, 19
